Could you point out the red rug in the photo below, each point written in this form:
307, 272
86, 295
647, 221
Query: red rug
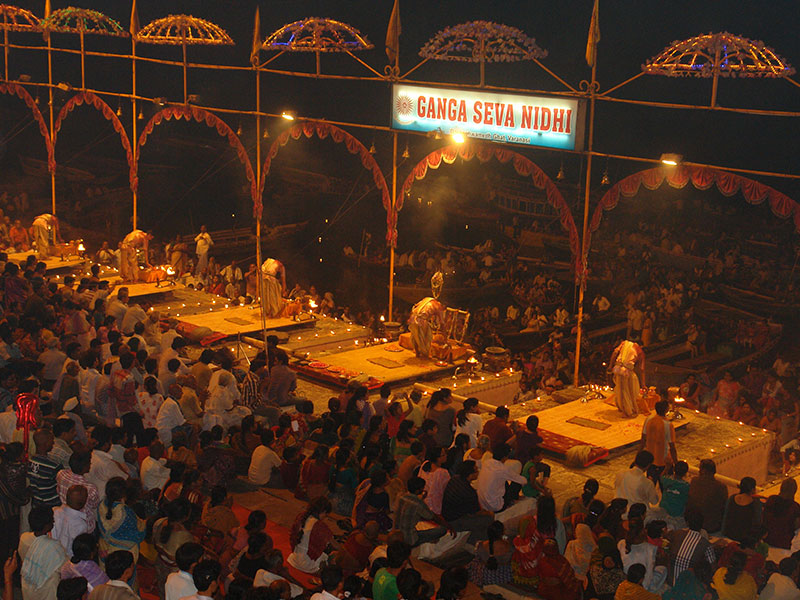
280, 540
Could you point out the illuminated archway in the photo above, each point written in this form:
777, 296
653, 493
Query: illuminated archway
701, 178
323, 130
91, 99
484, 152
201, 115
20, 92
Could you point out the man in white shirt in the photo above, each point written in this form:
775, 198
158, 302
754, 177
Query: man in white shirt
69, 520
52, 359
181, 584
264, 577
170, 352
633, 484
134, 314
493, 477
169, 415
88, 380
225, 367
117, 307
264, 460
103, 467
205, 575
331, 577
154, 471
204, 243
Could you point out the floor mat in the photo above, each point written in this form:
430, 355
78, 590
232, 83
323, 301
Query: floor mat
386, 363
584, 422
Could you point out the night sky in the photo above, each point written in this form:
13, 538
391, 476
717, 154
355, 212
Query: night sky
632, 31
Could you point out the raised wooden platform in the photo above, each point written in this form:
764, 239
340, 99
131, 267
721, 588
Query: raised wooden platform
53, 263
357, 362
592, 423
136, 290
236, 320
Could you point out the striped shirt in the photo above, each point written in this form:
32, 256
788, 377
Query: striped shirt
65, 480
42, 472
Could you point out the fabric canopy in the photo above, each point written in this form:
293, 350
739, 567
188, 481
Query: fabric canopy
203, 116
93, 100
338, 135
19, 91
485, 152
702, 178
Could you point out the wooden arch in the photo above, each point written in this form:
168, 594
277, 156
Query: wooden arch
20, 92
92, 99
201, 115
522, 165
338, 135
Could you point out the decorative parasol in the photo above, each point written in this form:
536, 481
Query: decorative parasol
15, 18
715, 54
481, 42
82, 21
317, 35
183, 30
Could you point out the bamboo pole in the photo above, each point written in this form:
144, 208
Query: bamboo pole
185, 95
52, 122
394, 203
134, 140
260, 276
716, 79
584, 250
5, 44
83, 62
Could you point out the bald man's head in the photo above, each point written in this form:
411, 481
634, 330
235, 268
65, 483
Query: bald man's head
77, 496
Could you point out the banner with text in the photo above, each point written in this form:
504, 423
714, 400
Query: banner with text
546, 121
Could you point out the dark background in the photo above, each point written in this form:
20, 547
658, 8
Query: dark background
193, 177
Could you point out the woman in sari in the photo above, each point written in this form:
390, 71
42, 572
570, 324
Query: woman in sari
311, 537
372, 502
605, 570
169, 534
691, 584
579, 551
529, 544
342, 483
117, 523
557, 580
725, 395
315, 474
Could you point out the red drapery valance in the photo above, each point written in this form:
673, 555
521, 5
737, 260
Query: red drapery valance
338, 135
702, 178
93, 100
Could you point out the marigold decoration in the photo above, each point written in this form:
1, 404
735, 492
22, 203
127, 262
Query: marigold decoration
481, 41
176, 30
317, 35
718, 54
82, 20
14, 18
